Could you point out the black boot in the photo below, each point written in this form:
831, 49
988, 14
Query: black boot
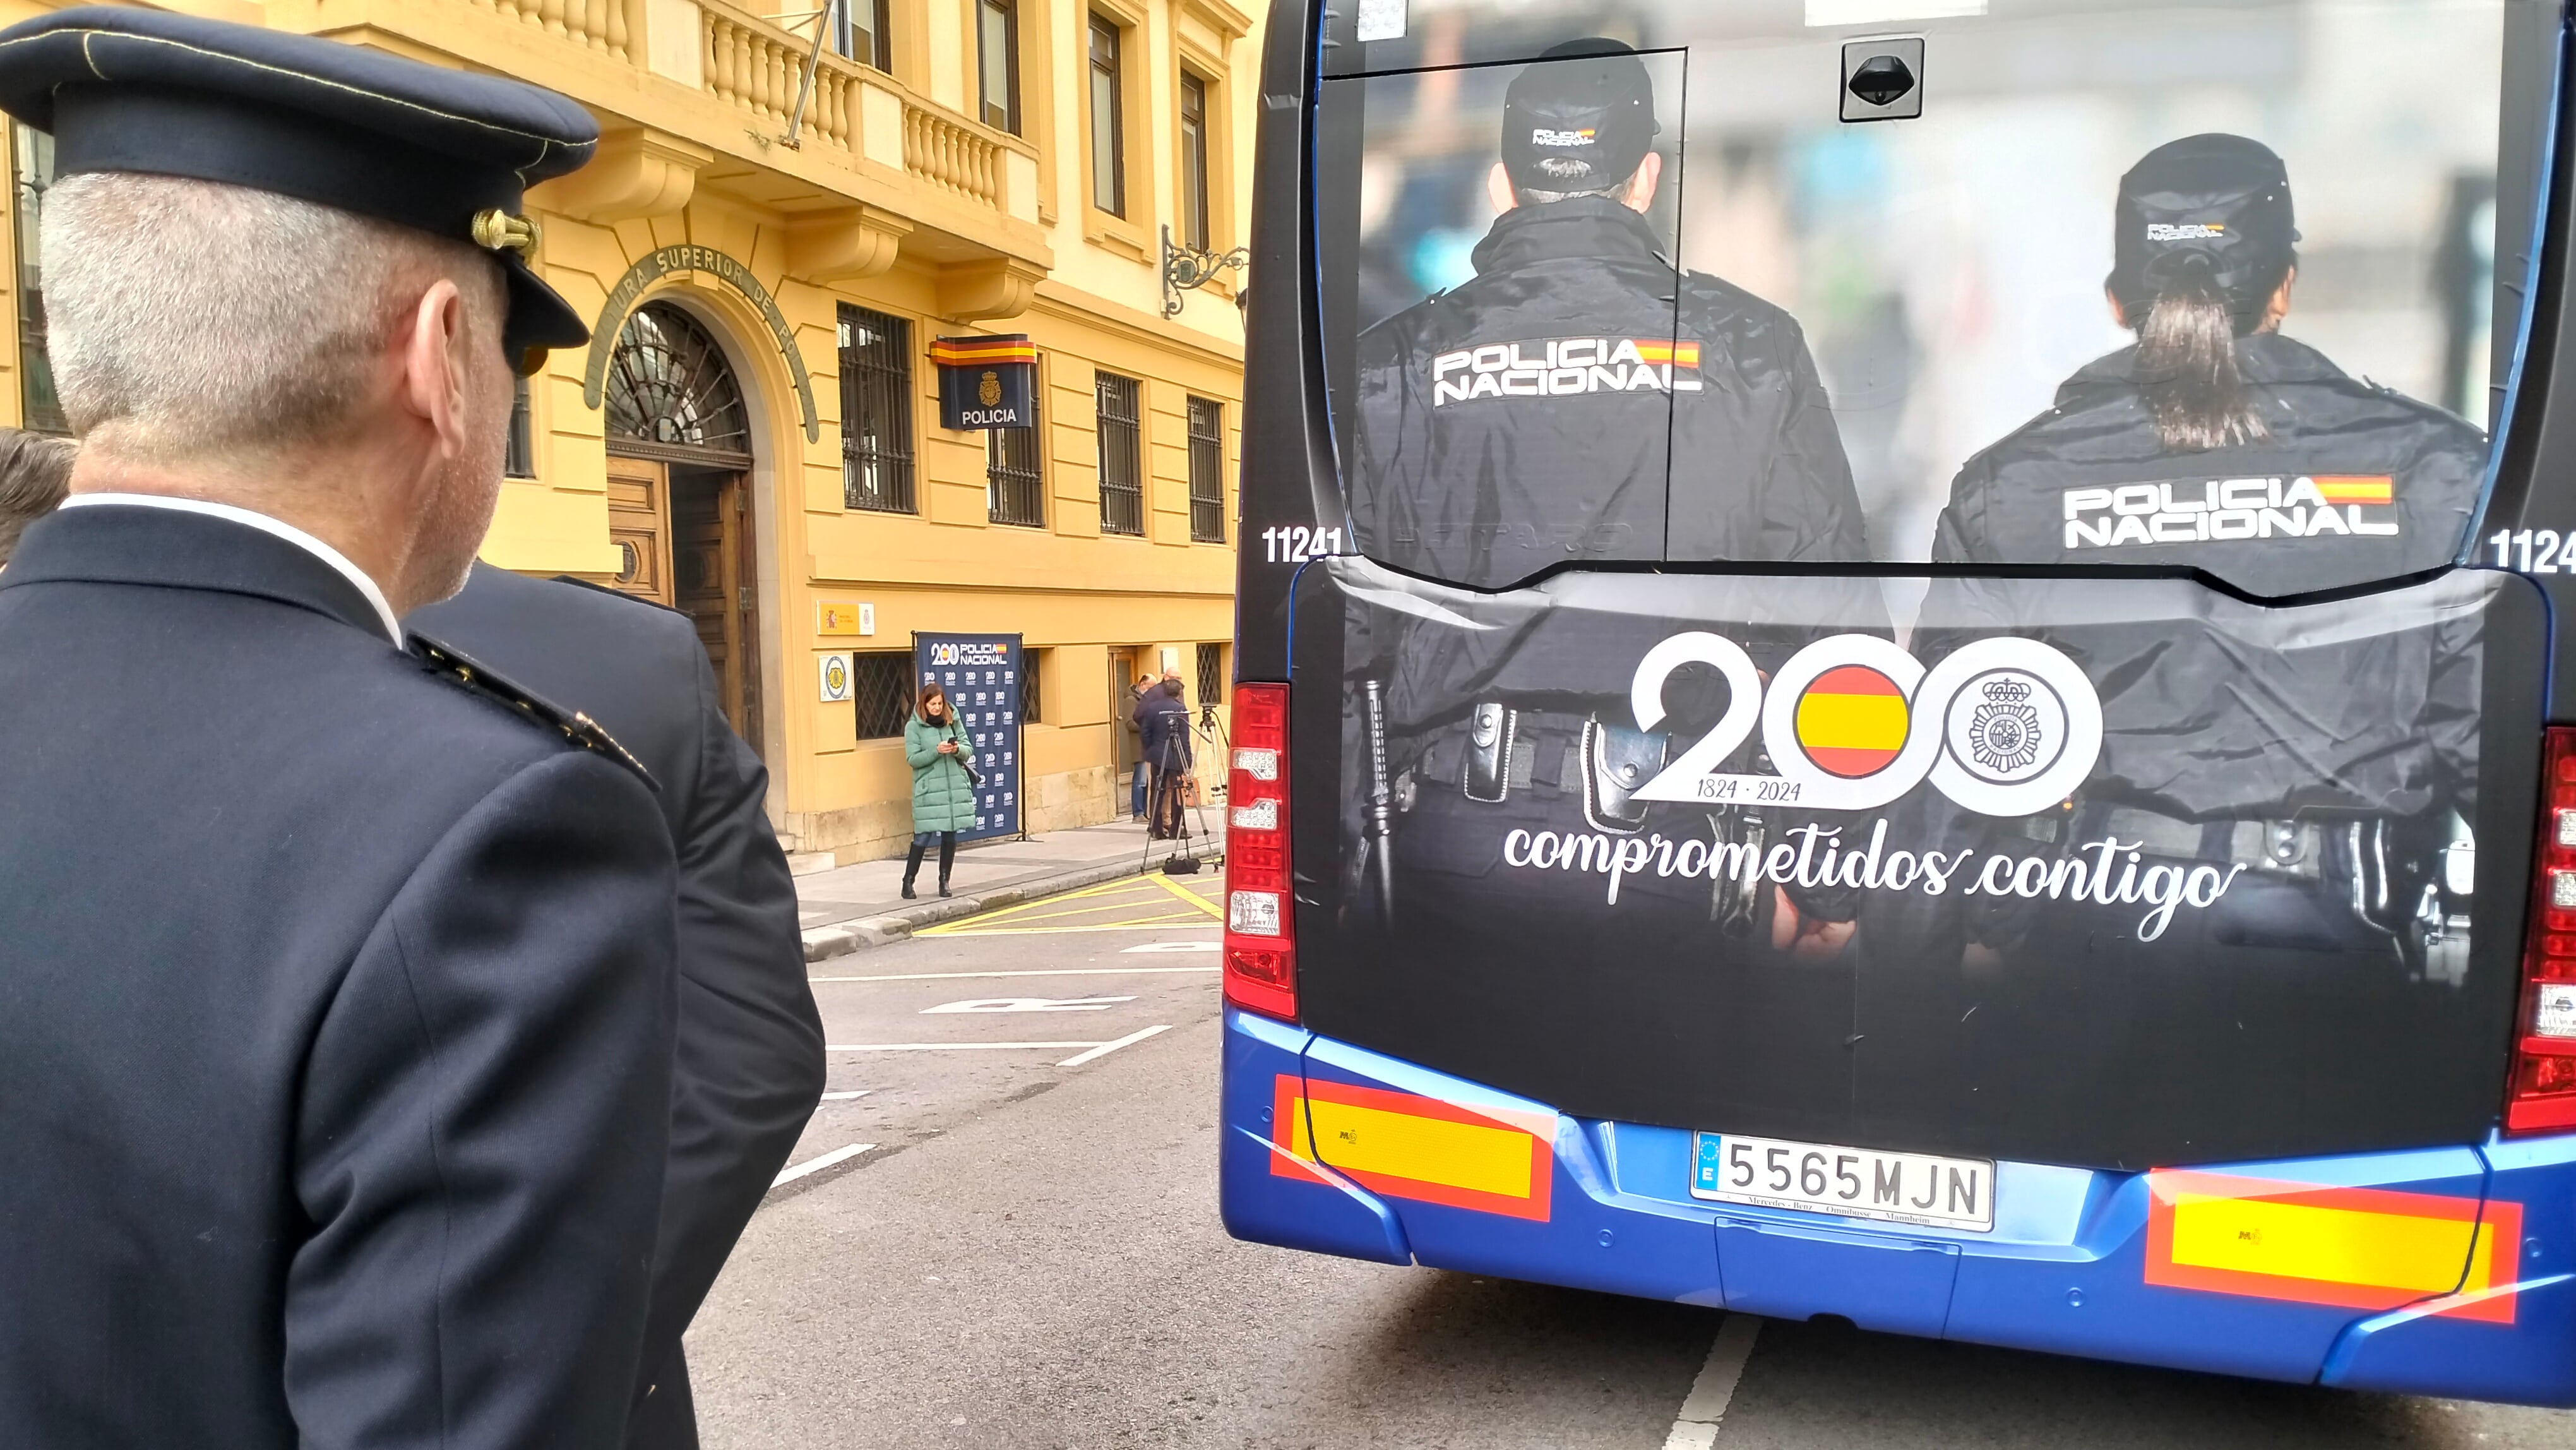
911, 869
947, 858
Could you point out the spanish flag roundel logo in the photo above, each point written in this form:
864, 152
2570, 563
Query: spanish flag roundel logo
1852, 721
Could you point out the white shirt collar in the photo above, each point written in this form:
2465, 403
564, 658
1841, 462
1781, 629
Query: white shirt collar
266, 525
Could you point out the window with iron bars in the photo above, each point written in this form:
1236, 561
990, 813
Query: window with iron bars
876, 411
1211, 673
1033, 667
881, 683
1122, 464
38, 405
1207, 471
1014, 480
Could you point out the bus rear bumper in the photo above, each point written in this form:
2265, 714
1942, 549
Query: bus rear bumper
2438, 1271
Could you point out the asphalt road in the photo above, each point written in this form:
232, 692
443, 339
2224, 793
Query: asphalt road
1025, 1252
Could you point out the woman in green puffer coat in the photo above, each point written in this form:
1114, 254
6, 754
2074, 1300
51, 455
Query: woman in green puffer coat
943, 794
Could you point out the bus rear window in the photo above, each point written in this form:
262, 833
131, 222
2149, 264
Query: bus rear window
2055, 284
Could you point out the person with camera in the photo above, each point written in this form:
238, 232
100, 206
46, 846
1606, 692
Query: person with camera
1163, 724
943, 784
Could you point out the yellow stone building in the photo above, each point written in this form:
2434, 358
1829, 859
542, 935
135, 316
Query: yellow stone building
754, 436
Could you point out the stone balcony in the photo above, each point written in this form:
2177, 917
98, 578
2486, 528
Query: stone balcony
700, 93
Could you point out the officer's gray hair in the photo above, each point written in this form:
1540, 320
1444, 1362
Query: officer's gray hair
197, 318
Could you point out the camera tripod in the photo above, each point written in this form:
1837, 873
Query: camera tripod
1161, 803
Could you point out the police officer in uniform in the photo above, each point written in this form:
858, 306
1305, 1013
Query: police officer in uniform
750, 1062
2331, 778
1581, 398
340, 982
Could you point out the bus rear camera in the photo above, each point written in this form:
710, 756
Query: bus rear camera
1882, 79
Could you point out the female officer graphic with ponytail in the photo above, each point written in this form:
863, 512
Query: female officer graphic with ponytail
2216, 442
2321, 759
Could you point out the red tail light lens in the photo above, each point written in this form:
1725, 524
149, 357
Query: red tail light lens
2544, 1068
1260, 900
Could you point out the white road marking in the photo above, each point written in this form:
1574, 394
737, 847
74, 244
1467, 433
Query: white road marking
1695, 1428
1174, 946
1044, 972
1106, 1048
950, 1046
817, 1164
1029, 1004
845, 1097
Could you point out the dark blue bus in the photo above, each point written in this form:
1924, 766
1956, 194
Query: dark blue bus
1897, 659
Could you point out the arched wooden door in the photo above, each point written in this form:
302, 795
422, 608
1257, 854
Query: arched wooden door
679, 493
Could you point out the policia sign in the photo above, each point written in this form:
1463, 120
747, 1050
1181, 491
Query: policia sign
986, 382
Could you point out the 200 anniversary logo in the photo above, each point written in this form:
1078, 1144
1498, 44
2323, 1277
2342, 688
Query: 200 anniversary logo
2005, 727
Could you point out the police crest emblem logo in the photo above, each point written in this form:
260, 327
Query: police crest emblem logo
988, 388
2007, 726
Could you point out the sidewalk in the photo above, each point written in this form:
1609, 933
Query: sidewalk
853, 907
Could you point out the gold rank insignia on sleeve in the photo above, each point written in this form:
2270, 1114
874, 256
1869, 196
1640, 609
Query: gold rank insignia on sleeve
462, 669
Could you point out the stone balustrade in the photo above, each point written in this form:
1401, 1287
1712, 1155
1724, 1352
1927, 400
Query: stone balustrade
602, 25
946, 152
757, 65
855, 115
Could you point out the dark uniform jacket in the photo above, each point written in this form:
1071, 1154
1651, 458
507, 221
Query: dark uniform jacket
336, 1010
1580, 399
750, 1062
2355, 484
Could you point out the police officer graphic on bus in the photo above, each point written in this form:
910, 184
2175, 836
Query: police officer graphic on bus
2327, 769
1580, 398
2216, 441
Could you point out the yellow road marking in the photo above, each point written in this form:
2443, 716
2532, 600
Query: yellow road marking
1159, 923
1184, 893
1147, 911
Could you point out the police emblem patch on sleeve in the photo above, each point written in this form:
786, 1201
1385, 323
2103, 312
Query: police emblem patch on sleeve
461, 669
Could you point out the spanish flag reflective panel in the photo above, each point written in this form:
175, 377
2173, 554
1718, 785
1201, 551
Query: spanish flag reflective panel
1405, 1145
2356, 1248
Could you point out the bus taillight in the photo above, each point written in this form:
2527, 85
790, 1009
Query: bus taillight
2544, 1068
1260, 901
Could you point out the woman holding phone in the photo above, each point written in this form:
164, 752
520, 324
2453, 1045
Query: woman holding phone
943, 789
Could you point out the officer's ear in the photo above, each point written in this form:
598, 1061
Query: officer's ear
1640, 192
2119, 314
1498, 189
2279, 306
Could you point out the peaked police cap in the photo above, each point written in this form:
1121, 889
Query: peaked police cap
337, 125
